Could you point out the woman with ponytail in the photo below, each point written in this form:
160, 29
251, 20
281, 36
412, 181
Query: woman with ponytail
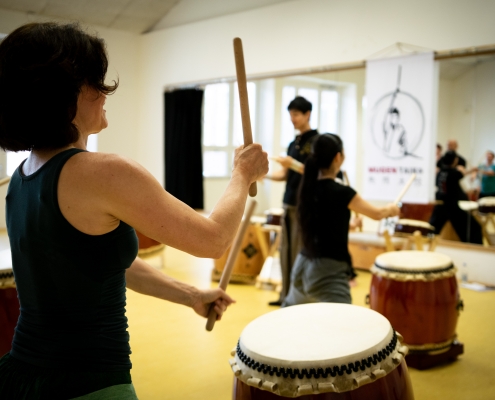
323, 268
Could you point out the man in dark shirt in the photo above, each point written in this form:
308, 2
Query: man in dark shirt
292, 168
452, 145
449, 192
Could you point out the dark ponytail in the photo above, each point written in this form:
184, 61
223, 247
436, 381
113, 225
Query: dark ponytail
324, 150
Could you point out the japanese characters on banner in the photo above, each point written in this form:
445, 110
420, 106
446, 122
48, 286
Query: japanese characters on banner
400, 132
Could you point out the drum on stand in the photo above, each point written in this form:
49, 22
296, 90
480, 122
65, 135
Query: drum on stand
487, 205
409, 226
9, 303
251, 257
324, 351
486, 215
148, 247
274, 216
417, 292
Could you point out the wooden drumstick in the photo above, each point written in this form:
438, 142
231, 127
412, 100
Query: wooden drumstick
229, 266
405, 189
4, 181
243, 100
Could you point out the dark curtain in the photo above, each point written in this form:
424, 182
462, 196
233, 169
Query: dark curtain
183, 157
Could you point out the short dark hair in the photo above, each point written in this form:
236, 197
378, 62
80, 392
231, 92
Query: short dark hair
300, 104
449, 158
439, 146
43, 67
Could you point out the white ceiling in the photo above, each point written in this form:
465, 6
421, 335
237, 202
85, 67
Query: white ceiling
136, 16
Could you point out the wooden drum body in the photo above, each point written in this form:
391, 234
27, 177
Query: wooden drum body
409, 226
487, 205
9, 305
320, 351
249, 261
417, 292
274, 216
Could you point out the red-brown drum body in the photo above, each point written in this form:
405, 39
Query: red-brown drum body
9, 304
323, 351
394, 386
487, 205
409, 226
274, 216
417, 292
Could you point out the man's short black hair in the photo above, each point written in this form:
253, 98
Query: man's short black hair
449, 158
43, 67
300, 104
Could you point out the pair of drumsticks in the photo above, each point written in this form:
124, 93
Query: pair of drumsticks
248, 139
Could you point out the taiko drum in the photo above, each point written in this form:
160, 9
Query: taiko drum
320, 351
417, 292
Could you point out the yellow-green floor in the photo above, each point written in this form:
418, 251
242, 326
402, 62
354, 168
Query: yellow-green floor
175, 358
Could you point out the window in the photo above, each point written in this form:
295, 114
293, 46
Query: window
325, 113
14, 159
222, 126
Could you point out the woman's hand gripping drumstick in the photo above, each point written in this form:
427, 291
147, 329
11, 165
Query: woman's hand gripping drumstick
394, 208
229, 266
243, 100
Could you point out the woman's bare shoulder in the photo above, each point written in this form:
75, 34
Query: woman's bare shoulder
95, 164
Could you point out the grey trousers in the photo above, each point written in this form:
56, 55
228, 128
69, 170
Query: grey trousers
117, 392
290, 246
321, 280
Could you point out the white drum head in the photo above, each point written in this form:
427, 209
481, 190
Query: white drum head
301, 342
487, 201
301, 334
413, 261
275, 211
467, 205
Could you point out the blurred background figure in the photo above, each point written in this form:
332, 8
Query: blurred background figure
439, 152
449, 193
452, 145
487, 174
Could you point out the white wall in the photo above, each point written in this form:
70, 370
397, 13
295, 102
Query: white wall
122, 108
294, 35
467, 111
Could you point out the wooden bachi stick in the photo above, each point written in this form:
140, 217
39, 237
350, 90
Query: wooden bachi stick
243, 100
405, 189
229, 266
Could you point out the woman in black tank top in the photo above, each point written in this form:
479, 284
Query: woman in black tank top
323, 268
71, 216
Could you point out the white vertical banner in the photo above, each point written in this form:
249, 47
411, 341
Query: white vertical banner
400, 130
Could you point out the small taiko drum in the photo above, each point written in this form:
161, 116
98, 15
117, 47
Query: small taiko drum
467, 205
9, 303
147, 245
249, 261
274, 216
417, 292
320, 351
409, 226
487, 205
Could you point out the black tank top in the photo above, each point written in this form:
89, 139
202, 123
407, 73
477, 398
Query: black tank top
71, 285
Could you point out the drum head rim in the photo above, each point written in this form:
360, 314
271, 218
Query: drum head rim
309, 323
406, 261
